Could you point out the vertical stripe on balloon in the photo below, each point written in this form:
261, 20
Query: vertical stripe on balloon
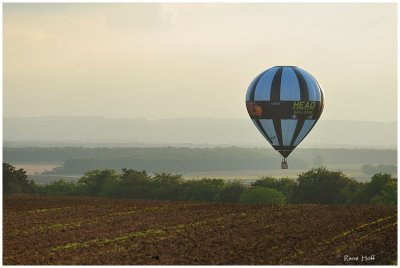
263, 88
313, 90
308, 124
254, 85
290, 83
288, 127
303, 85
278, 130
276, 85
318, 91
268, 126
260, 128
299, 126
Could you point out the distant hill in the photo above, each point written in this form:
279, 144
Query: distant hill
188, 132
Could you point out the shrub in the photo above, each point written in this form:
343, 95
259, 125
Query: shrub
372, 189
321, 186
93, 181
262, 195
388, 195
135, 184
231, 192
166, 186
284, 185
202, 190
59, 188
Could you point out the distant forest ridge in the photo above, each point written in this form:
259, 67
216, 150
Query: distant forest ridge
188, 132
78, 160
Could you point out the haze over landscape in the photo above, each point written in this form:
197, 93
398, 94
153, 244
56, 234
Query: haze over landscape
187, 132
176, 74
184, 60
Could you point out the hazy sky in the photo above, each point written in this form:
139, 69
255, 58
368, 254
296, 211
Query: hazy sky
193, 60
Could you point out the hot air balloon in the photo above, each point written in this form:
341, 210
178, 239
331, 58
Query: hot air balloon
284, 103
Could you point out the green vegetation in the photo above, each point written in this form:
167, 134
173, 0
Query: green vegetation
316, 186
262, 195
16, 181
321, 186
284, 185
381, 190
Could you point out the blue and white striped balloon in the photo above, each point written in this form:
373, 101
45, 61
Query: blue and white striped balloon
284, 103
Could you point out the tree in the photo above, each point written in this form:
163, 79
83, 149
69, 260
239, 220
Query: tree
388, 195
93, 182
167, 178
374, 188
390, 169
16, 180
378, 181
166, 186
202, 190
368, 169
135, 184
231, 192
265, 181
283, 185
347, 195
60, 187
381, 168
262, 195
321, 186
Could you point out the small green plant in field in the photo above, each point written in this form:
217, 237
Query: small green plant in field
67, 246
47, 210
375, 231
122, 213
52, 227
159, 233
347, 232
59, 226
100, 242
340, 248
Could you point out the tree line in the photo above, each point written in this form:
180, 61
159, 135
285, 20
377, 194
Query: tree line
316, 186
369, 169
77, 160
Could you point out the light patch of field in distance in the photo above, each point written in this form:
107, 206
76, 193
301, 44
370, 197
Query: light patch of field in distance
32, 169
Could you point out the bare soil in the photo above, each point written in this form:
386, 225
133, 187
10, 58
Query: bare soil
83, 230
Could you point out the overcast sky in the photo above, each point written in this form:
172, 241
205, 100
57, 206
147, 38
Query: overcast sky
193, 60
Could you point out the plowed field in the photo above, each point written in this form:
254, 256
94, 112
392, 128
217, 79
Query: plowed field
52, 230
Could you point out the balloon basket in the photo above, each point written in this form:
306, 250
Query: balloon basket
284, 164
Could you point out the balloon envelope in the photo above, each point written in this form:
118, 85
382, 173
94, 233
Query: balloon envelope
284, 102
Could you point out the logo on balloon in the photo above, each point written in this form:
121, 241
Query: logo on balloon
303, 107
254, 109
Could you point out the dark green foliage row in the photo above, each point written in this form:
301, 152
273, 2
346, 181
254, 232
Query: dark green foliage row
317, 186
262, 195
77, 160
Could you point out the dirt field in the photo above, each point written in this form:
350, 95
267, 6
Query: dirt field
49, 230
